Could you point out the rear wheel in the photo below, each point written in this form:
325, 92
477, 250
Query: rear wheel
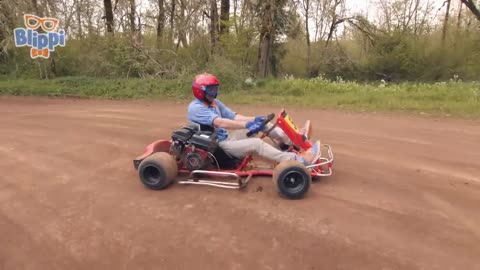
158, 170
292, 179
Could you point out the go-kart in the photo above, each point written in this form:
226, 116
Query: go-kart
194, 150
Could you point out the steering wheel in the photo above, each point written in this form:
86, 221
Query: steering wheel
264, 123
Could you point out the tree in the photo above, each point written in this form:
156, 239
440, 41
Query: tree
132, 16
182, 24
336, 18
445, 23
78, 4
274, 21
306, 9
213, 25
172, 18
266, 37
224, 16
108, 15
160, 21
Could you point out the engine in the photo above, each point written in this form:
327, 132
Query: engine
194, 147
196, 159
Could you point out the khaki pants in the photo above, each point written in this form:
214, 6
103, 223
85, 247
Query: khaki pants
239, 145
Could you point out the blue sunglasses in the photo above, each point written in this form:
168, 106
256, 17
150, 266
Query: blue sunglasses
212, 90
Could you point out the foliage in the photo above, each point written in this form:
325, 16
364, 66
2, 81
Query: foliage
449, 97
404, 44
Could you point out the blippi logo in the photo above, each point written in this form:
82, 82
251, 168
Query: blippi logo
42, 43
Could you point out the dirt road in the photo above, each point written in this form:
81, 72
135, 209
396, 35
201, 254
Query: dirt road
405, 194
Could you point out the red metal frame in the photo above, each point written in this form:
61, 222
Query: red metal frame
240, 170
156, 146
298, 137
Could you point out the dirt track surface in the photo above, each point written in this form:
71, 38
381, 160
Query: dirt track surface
405, 194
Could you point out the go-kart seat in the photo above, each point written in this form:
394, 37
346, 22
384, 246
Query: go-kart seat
225, 160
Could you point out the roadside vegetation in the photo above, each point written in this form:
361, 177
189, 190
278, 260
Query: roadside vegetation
443, 98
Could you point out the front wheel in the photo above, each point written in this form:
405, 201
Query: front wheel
292, 179
158, 170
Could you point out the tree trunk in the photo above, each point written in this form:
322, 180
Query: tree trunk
306, 5
53, 66
109, 15
334, 21
79, 18
182, 35
263, 55
235, 4
172, 16
445, 23
132, 16
213, 25
138, 30
264, 48
160, 21
459, 17
470, 4
89, 18
224, 16
243, 14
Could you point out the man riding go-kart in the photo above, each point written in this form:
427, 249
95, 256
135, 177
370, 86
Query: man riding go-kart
210, 112
204, 147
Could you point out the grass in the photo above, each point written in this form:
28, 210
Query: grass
453, 98
460, 99
94, 87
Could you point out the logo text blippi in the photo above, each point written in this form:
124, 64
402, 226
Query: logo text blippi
24, 37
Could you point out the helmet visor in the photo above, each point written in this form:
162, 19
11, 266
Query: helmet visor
212, 90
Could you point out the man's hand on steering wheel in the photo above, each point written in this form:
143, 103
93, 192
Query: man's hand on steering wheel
260, 119
257, 126
254, 127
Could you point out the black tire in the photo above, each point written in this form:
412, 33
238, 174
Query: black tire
292, 179
158, 170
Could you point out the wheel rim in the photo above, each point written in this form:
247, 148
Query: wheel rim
152, 175
293, 182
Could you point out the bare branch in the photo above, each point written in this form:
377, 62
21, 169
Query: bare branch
470, 4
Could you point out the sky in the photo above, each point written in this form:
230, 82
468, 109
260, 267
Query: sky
369, 7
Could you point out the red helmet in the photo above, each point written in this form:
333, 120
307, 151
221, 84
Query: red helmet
203, 83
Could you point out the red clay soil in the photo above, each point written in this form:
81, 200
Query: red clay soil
405, 194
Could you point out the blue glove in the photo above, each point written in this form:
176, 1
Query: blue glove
260, 118
254, 127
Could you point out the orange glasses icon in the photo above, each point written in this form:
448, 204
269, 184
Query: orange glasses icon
33, 22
